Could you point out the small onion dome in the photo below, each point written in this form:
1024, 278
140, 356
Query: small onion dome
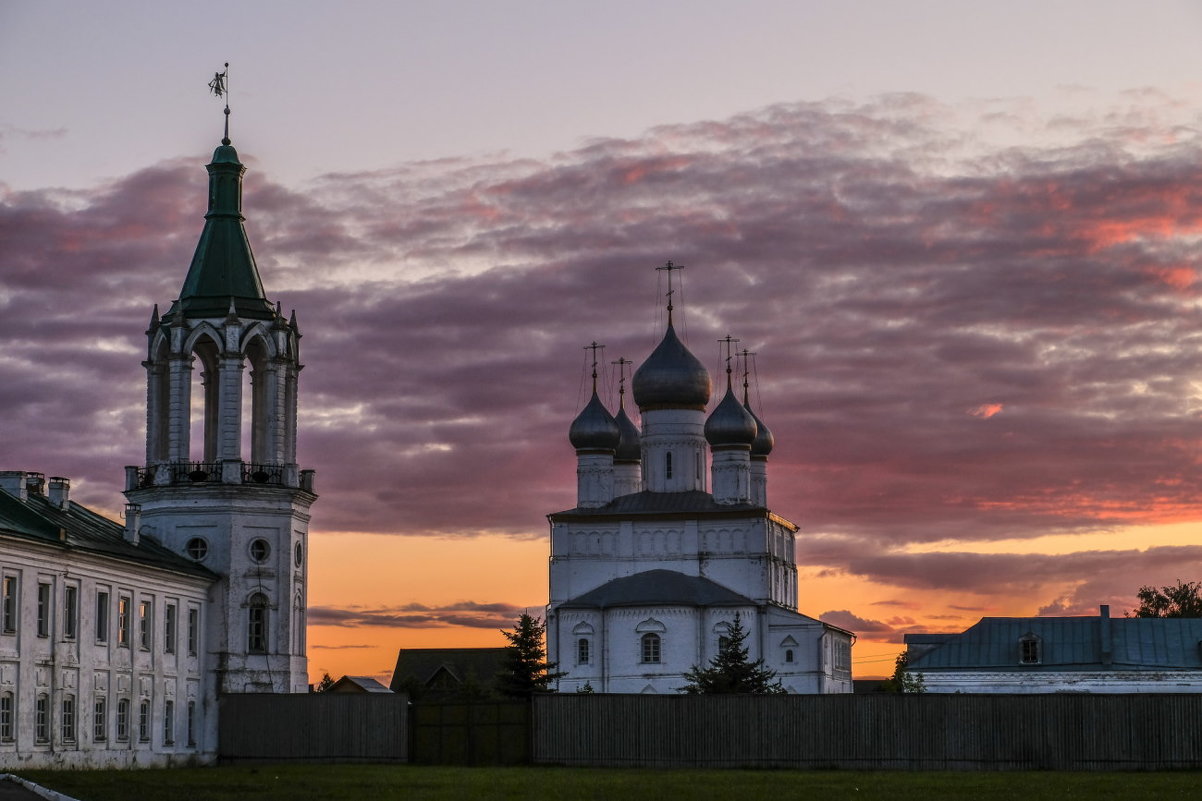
594, 429
762, 446
629, 445
730, 423
671, 378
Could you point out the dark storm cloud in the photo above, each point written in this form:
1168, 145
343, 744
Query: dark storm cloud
954, 341
411, 616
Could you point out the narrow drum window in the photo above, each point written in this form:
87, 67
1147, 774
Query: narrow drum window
650, 648
256, 624
668, 465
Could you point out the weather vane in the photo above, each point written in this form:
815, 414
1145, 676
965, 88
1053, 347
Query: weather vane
220, 88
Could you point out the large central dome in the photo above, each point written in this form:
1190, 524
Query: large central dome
671, 378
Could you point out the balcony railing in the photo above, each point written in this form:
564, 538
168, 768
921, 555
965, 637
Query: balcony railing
178, 474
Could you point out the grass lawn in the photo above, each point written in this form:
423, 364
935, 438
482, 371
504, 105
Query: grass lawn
418, 783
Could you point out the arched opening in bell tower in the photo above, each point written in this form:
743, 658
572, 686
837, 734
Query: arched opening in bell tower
204, 406
256, 390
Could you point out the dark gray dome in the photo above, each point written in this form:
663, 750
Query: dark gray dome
594, 429
762, 446
629, 445
730, 423
671, 378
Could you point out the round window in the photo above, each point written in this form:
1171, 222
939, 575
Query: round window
197, 548
299, 554
260, 549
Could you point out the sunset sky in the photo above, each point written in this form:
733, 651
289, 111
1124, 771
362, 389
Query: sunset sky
963, 240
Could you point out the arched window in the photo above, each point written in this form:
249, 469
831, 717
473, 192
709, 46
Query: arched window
144, 720
650, 648
256, 624
582, 653
42, 719
788, 654
123, 719
1028, 650
7, 718
67, 719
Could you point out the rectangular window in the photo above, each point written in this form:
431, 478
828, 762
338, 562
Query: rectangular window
651, 648
41, 710
70, 611
191, 724
582, 651
102, 616
124, 621
145, 625
256, 625
668, 464
144, 720
100, 714
123, 719
7, 717
10, 604
43, 609
168, 722
193, 631
68, 719
169, 629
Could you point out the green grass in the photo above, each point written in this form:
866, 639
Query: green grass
417, 783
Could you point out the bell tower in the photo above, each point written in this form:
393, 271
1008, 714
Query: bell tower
220, 483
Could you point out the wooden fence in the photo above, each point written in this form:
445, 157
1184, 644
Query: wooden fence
314, 727
912, 732
475, 733
909, 732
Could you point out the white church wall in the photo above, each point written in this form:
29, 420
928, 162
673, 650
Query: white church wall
56, 664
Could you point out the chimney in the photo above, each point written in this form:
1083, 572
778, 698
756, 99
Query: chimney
35, 483
60, 491
13, 482
133, 521
1104, 634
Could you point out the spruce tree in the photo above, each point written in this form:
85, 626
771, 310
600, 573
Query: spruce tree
731, 671
526, 670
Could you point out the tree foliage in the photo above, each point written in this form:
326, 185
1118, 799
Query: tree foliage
527, 670
326, 683
1183, 599
731, 670
903, 681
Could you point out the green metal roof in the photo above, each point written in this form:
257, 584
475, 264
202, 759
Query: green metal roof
1067, 643
223, 267
78, 528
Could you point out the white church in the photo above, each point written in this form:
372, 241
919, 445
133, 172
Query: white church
658, 556
116, 640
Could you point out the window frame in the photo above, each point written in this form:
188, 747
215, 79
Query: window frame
125, 622
651, 649
8, 717
67, 718
70, 611
103, 608
193, 630
170, 634
1030, 650
123, 710
100, 719
168, 722
144, 719
44, 600
583, 651
191, 724
257, 618
145, 624
10, 603
41, 719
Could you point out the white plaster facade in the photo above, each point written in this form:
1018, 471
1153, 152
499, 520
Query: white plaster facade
648, 571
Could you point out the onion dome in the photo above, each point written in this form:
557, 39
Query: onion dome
594, 429
629, 443
730, 423
762, 445
671, 378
